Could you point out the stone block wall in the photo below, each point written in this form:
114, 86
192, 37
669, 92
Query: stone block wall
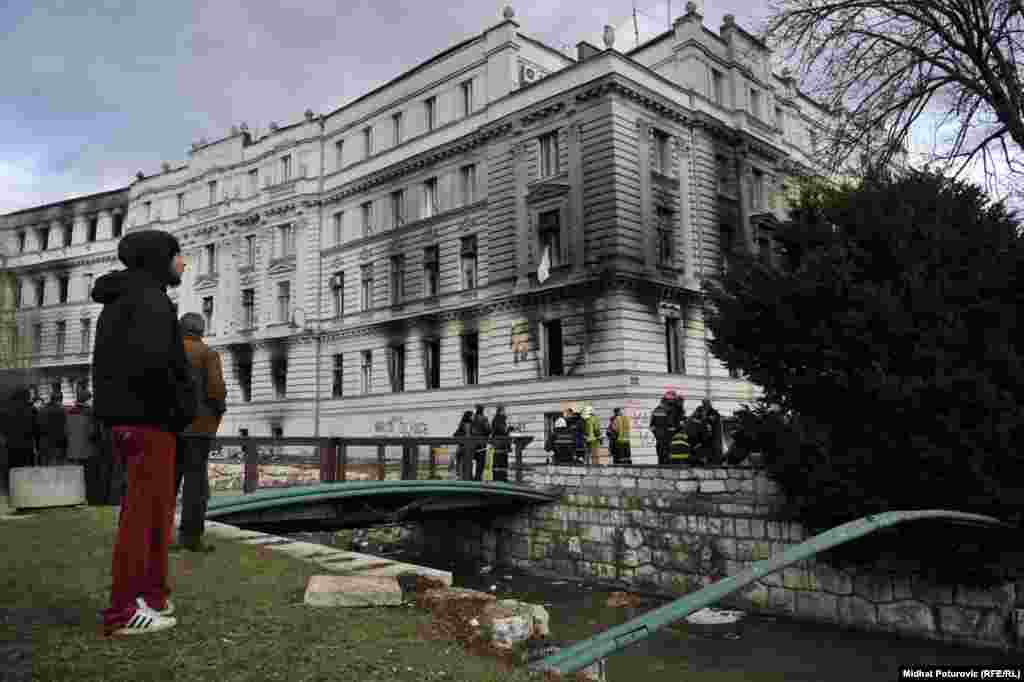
675, 530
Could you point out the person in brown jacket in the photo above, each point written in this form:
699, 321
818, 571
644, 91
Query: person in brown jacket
194, 453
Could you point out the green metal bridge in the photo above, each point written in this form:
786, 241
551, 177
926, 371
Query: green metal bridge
332, 506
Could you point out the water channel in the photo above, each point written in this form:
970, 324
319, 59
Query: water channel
762, 649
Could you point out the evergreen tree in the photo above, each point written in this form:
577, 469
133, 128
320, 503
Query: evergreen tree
889, 346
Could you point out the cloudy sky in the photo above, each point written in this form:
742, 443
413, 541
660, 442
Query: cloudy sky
96, 90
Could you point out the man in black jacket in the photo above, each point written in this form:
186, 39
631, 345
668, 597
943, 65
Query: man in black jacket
142, 390
481, 426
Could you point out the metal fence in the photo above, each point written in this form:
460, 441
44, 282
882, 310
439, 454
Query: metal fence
372, 457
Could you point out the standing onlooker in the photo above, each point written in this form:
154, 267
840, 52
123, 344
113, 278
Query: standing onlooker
663, 426
144, 392
53, 430
575, 424
591, 435
618, 437
18, 423
193, 454
464, 429
500, 430
481, 427
563, 443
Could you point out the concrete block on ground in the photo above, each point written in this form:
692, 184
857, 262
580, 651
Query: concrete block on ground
352, 591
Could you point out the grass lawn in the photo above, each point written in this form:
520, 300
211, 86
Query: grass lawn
240, 617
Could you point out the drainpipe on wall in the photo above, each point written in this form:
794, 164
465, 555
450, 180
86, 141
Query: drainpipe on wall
319, 283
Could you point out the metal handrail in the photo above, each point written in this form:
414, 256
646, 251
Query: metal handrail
333, 452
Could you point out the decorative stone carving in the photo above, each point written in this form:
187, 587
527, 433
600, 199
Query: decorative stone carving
273, 126
609, 37
140, 176
508, 13
309, 114
165, 166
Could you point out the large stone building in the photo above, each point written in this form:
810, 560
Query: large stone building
503, 223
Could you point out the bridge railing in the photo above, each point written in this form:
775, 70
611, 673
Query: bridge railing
337, 462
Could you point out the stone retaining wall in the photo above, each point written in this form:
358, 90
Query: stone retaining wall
675, 530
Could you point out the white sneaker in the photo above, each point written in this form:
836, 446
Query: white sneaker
144, 621
166, 611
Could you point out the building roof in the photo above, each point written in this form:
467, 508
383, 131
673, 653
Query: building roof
83, 197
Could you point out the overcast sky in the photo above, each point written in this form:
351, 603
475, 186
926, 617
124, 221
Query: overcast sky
96, 90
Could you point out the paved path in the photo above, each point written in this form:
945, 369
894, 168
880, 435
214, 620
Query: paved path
336, 561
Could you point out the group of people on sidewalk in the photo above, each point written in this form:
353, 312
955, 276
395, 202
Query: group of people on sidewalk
686, 441
476, 423
576, 437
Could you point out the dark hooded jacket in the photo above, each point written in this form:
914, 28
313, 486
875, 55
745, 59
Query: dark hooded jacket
140, 372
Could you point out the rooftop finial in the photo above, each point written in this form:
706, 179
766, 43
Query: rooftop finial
309, 114
609, 36
729, 20
508, 13
691, 7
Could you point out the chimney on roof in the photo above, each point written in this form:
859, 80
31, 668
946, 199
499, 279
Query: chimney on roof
692, 13
609, 37
728, 24
585, 51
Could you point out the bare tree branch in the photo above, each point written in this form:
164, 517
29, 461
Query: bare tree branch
895, 64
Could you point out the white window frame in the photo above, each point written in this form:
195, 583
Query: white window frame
366, 372
284, 301
547, 149
397, 128
466, 88
543, 240
397, 279
398, 208
368, 141
366, 287
254, 181
85, 334
339, 154
430, 112
431, 271
468, 283
61, 336
338, 294
367, 216
662, 159
467, 175
396, 367
211, 187
718, 87
286, 168
249, 308
430, 204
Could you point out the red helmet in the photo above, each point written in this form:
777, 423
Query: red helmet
670, 395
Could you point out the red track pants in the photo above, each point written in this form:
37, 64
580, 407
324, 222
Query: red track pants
146, 521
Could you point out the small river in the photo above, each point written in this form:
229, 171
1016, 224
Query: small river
767, 649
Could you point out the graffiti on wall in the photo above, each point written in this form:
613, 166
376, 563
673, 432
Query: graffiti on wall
519, 341
397, 425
